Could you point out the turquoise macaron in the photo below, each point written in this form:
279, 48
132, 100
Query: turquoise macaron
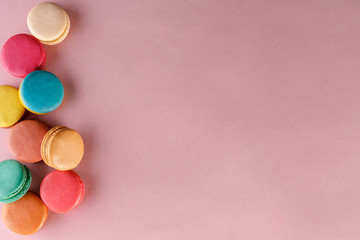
15, 180
41, 92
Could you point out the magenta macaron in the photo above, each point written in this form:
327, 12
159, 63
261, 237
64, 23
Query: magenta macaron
62, 191
22, 54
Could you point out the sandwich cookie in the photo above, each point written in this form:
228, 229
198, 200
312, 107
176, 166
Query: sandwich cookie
41, 92
25, 138
15, 180
22, 54
25, 216
62, 148
11, 109
62, 191
49, 23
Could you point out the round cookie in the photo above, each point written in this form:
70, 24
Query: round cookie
62, 148
11, 109
25, 216
24, 140
15, 180
41, 92
62, 191
22, 54
49, 23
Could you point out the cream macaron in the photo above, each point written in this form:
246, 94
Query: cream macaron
49, 23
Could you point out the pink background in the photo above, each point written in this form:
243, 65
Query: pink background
206, 119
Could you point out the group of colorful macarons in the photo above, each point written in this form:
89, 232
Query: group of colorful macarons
32, 141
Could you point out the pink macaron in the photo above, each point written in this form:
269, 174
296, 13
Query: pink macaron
62, 191
22, 54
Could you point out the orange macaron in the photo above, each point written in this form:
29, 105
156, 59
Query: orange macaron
62, 148
26, 215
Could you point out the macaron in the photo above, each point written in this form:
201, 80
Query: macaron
41, 92
15, 180
62, 148
25, 138
22, 54
49, 23
62, 191
11, 109
25, 216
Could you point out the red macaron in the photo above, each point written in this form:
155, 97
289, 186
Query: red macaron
62, 191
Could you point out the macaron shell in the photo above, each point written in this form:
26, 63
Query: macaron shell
64, 149
63, 36
25, 216
41, 92
47, 21
61, 191
11, 109
25, 138
22, 54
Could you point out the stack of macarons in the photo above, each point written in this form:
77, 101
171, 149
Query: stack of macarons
32, 141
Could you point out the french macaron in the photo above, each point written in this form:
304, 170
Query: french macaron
22, 54
49, 23
62, 191
62, 148
11, 109
41, 92
25, 216
25, 138
15, 180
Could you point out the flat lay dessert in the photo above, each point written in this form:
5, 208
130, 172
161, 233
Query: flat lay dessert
25, 216
22, 54
41, 92
15, 180
62, 191
11, 109
31, 141
49, 23
25, 138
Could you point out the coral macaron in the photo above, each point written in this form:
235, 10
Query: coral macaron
41, 92
25, 216
22, 54
25, 138
62, 191
11, 109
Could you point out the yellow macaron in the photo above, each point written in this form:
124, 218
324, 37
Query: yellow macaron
11, 109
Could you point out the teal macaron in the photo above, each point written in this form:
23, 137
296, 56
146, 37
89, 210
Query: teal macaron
41, 92
15, 180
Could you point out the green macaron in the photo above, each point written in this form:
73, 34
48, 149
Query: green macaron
15, 180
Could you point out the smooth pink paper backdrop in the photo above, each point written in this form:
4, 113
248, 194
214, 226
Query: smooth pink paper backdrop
206, 119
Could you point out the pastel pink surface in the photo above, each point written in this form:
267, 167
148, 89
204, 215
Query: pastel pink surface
25, 138
207, 119
22, 54
62, 191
